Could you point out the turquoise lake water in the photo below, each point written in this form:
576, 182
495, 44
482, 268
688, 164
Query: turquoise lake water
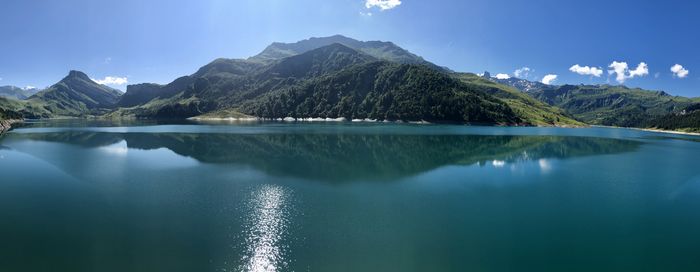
150, 196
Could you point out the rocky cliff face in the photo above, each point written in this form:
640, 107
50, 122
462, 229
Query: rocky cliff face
6, 125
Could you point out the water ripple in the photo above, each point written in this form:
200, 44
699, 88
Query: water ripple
266, 227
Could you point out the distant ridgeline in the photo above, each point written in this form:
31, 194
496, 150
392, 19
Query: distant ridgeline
339, 77
616, 105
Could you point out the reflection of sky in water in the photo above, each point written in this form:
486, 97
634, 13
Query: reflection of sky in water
491, 173
266, 226
153, 158
544, 164
119, 149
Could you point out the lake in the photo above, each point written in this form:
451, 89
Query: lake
154, 196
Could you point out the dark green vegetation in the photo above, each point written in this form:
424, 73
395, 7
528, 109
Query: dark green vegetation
10, 115
612, 105
332, 81
385, 91
7, 117
338, 77
687, 120
27, 109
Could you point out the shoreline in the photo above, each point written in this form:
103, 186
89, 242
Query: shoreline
668, 131
654, 130
365, 120
6, 125
292, 120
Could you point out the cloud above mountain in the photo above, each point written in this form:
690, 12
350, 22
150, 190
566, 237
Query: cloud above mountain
523, 72
679, 71
502, 76
586, 70
623, 73
549, 79
382, 4
112, 80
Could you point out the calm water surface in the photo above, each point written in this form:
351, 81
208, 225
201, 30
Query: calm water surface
100, 196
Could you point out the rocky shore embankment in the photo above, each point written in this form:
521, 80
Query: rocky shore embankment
6, 125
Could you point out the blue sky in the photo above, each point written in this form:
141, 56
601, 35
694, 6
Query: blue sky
158, 41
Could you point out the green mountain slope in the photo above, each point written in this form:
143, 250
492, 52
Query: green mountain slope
27, 109
612, 105
687, 120
141, 94
317, 62
225, 83
378, 49
6, 112
76, 95
385, 91
221, 72
528, 109
328, 82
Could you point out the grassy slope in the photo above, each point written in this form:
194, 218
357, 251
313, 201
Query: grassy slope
527, 108
613, 105
28, 109
63, 100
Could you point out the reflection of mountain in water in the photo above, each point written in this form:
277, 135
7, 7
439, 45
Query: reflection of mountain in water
350, 156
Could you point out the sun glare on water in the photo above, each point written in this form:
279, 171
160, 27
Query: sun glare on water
266, 227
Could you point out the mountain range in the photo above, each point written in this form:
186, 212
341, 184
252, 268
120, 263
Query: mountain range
17, 92
339, 77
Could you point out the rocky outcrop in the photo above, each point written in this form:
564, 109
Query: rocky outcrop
6, 125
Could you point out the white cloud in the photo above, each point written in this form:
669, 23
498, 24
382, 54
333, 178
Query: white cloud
523, 72
502, 76
623, 72
382, 4
586, 71
619, 68
29, 87
642, 70
679, 71
112, 80
108, 60
367, 14
549, 79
